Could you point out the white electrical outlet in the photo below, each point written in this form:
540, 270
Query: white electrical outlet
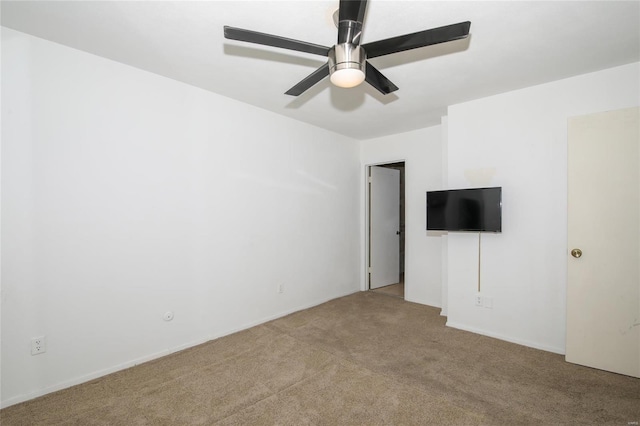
478, 299
38, 345
280, 288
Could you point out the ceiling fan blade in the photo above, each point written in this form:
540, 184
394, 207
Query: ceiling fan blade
352, 10
309, 81
275, 41
419, 39
379, 81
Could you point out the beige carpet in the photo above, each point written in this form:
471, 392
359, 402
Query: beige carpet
365, 359
396, 290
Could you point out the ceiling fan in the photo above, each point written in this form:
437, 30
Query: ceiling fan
347, 64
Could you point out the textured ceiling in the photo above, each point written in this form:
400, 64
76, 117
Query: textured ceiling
513, 44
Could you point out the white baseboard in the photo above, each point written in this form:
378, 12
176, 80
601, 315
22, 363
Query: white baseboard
522, 342
99, 373
132, 363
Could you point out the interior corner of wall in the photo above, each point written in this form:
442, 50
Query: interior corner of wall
445, 151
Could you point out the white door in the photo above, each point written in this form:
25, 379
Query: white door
384, 231
603, 293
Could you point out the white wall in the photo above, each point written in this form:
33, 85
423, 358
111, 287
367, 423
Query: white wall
444, 264
420, 150
517, 140
126, 194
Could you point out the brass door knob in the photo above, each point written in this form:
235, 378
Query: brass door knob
577, 253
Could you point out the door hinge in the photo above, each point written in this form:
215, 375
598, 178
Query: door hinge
369, 269
369, 179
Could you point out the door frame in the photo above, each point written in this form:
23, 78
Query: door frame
366, 228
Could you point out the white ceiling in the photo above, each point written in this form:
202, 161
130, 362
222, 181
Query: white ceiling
513, 44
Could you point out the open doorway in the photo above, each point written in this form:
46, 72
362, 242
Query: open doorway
386, 223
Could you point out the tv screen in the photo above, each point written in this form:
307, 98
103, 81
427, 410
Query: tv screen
476, 209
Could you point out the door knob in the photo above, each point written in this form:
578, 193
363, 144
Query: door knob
577, 253
397, 232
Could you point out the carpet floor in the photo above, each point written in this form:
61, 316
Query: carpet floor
364, 359
396, 290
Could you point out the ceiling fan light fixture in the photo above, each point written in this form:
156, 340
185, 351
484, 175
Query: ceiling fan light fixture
347, 65
347, 77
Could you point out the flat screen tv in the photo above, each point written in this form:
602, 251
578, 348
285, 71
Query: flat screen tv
473, 210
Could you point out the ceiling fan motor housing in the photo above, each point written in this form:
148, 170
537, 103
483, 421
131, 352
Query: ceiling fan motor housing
346, 56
